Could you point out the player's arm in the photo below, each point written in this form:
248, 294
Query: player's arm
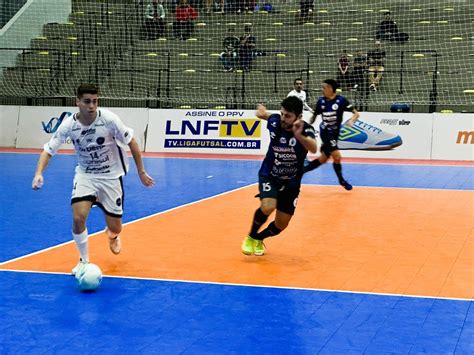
309, 142
262, 112
146, 179
355, 116
38, 179
307, 107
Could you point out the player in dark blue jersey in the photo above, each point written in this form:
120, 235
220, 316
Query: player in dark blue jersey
331, 107
282, 169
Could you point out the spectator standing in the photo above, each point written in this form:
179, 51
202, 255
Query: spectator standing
343, 65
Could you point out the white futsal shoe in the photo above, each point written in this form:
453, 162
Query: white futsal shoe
79, 265
115, 244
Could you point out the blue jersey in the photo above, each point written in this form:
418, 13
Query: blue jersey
285, 155
332, 111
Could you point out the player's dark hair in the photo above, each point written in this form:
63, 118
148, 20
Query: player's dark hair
293, 104
297, 79
333, 83
87, 89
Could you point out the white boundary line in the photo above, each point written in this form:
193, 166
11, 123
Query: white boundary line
249, 285
129, 222
368, 162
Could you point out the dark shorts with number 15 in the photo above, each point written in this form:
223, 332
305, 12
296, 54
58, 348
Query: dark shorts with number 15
285, 192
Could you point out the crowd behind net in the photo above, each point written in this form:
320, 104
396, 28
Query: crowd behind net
107, 43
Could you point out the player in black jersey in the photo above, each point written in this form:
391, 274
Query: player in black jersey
331, 107
282, 169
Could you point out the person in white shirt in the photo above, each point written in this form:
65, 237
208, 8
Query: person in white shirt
300, 93
99, 137
155, 20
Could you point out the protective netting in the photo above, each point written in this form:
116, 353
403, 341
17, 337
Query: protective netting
132, 53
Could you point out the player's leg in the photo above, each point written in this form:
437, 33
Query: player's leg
286, 204
110, 199
83, 196
336, 156
316, 163
114, 227
268, 192
80, 212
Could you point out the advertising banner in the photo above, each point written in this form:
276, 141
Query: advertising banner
8, 125
387, 135
36, 124
453, 136
206, 131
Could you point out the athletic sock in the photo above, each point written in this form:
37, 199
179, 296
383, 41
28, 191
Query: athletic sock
81, 243
338, 169
259, 218
270, 231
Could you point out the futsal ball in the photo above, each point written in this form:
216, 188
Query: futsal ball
89, 277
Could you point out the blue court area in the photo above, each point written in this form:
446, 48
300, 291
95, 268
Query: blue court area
45, 313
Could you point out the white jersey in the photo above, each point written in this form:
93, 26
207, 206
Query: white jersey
97, 146
302, 96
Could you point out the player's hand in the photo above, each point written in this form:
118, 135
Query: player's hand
38, 182
261, 111
297, 127
146, 179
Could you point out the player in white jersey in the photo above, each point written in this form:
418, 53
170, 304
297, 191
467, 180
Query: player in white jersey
300, 93
98, 136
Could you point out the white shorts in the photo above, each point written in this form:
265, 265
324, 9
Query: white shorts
105, 193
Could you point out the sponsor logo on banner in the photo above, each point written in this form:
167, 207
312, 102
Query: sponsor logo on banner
464, 137
54, 123
213, 129
394, 122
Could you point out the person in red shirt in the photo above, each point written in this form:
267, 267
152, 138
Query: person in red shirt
184, 20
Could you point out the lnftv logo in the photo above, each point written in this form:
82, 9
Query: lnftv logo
463, 137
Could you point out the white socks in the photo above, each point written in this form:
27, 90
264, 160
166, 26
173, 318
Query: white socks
81, 243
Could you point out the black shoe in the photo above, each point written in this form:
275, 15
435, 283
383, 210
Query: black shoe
345, 185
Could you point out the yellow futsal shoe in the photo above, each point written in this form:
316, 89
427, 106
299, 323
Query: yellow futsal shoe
247, 245
258, 247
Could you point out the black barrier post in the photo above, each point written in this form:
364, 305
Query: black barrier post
402, 68
434, 90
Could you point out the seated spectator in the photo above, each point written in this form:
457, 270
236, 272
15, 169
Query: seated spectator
247, 48
185, 15
388, 30
213, 4
358, 70
154, 20
343, 70
376, 59
243, 6
230, 53
306, 9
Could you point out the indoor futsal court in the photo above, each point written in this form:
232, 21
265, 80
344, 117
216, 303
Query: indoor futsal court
389, 273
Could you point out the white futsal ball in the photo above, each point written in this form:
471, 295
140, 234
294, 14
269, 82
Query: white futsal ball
89, 277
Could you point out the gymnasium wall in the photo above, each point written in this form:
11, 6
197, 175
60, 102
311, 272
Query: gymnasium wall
425, 136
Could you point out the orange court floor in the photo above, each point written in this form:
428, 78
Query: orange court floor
374, 239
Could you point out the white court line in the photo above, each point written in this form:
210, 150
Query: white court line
230, 157
249, 285
129, 222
